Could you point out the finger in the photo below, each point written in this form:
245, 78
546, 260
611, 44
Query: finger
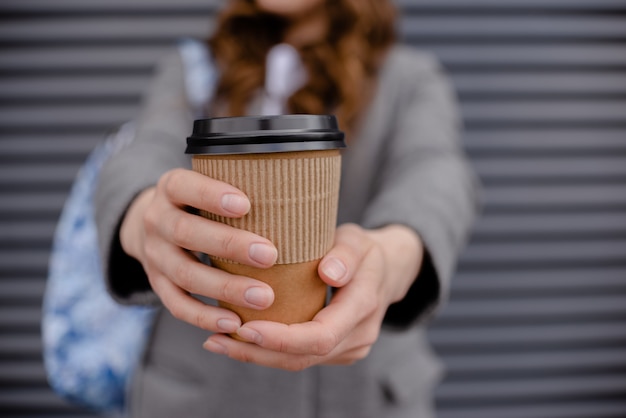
196, 233
319, 337
188, 273
186, 308
311, 338
338, 266
189, 188
251, 353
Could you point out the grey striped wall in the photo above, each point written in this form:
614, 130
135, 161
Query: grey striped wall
536, 324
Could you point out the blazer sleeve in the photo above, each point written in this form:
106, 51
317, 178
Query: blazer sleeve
158, 146
426, 183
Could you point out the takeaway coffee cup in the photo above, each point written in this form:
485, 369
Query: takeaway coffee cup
289, 166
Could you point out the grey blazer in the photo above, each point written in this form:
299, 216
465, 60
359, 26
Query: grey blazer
406, 166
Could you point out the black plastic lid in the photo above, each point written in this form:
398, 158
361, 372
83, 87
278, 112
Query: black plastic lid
263, 134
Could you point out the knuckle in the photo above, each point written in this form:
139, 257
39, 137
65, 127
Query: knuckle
371, 338
354, 233
296, 365
228, 292
356, 226
151, 253
360, 354
200, 319
206, 195
364, 352
184, 275
351, 227
245, 357
182, 230
149, 220
155, 281
164, 180
168, 181
228, 246
176, 311
325, 344
283, 346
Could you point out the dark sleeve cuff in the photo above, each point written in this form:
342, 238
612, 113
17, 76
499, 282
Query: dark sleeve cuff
128, 281
421, 299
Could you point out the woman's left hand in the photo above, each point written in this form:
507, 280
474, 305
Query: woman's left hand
371, 269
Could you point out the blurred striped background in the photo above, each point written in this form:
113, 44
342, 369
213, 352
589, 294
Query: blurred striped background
536, 326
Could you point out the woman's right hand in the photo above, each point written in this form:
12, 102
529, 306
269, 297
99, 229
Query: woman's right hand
159, 232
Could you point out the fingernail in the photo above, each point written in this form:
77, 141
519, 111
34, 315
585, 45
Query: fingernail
334, 269
235, 204
259, 296
249, 334
227, 325
214, 347
263, 254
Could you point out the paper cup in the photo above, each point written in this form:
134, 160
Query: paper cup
289, 167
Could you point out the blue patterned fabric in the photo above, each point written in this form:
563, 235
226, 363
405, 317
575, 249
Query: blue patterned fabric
91, 343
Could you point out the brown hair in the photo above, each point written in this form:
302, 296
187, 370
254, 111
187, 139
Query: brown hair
342, 69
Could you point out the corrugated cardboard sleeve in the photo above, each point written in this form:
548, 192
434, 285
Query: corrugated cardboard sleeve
294, 197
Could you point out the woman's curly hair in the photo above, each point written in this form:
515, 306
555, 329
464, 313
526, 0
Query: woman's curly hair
342, 68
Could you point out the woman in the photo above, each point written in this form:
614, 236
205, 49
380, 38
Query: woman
407, 201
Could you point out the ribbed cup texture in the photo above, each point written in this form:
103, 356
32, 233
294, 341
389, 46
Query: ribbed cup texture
293, 197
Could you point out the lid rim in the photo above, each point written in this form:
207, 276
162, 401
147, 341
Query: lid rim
267, 148
264, 134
